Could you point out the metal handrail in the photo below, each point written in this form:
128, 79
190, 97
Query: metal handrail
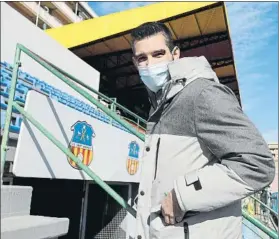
264, 205
24, 49
271, 233
81, 91
86, 169
133, 122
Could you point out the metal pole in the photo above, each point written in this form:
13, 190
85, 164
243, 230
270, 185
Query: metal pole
258, 224
76, 11
130, 203
38, 13
5, 138
86, 169
84, 211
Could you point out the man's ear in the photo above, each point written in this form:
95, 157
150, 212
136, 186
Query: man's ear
176, 53
135, 62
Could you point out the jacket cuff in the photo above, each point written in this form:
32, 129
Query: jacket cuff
184, 189
178, 184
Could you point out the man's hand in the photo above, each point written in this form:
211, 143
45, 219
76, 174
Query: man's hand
170, 208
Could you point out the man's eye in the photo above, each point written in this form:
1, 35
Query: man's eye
141, 59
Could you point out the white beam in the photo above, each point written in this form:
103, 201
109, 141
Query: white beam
88, 9
34, 8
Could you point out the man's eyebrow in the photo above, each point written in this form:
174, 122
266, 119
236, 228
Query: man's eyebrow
140, 54
159, 51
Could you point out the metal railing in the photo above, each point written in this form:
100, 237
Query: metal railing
271, 233
62, 75
103, 97
265, 206
262, 212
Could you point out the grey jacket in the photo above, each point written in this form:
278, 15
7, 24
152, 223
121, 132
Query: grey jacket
201, 144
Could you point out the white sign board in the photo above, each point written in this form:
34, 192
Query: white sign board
113, 154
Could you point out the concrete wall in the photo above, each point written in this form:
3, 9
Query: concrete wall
15, 28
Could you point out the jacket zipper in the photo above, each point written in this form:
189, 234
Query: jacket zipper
186, 230
156, 160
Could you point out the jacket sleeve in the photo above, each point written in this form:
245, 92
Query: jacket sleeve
244, 164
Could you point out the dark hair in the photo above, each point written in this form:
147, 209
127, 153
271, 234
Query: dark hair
150, 29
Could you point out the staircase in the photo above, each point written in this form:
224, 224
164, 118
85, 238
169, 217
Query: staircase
16, 221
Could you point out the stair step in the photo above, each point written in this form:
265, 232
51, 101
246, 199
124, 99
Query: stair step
33, 227
15, 200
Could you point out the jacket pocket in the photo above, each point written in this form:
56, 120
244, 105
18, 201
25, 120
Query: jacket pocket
159, 230
156, 219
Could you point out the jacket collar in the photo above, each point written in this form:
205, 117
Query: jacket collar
182, 72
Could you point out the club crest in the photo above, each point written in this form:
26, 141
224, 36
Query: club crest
132, 163
81, 144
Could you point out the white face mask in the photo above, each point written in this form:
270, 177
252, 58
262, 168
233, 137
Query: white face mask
155, 76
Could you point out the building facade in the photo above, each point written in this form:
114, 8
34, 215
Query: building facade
54, 14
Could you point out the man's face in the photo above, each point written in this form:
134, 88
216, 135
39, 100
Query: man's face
153, 50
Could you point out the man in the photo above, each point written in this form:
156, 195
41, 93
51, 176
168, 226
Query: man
202, 154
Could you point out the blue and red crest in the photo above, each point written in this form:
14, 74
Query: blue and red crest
132, 163
81, 144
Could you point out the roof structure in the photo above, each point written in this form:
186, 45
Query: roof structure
198, 28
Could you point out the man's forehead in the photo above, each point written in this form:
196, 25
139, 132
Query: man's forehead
150, 44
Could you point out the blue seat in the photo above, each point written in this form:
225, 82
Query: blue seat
13, 126
20, 100
78, 105
3, 103
4, 64
56, 94
27, 82
24, 88
10, 67
40, 85
4, 87
71, 102
86, 109
3, 117
31, 82
6, 76
4, 95
4, 107
14, 129
46, 91
6, 73
29, 79
4, 83
64, 98
93, 113
7, 79
19, 89
18, 120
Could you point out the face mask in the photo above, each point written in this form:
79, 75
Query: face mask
155, 76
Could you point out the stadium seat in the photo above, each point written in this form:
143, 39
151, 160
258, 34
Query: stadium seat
26, 83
